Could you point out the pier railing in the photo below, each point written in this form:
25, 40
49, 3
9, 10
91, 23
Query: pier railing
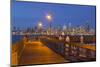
72, 51
16, 52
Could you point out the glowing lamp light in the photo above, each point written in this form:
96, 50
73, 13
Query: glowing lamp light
49, 17
40, 24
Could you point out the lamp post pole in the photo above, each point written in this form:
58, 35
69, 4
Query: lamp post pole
40, 26
49, 18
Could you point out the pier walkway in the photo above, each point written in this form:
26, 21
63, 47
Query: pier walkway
37, 53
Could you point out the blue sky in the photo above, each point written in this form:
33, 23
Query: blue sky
28, 14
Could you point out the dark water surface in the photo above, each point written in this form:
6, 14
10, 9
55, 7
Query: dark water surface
16, 38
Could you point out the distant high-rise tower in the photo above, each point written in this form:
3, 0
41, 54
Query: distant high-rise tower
69, 27
70, 24
64, 27
87, 27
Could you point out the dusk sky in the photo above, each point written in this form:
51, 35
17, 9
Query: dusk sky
28, 14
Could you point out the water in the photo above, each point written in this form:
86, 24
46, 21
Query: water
16, 38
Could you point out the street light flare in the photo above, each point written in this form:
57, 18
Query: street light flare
49, 17
40, 24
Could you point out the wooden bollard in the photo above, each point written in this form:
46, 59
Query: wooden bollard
81, 39
67, 39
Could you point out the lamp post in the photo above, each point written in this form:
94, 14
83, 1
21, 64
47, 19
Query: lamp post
49, 18
40, 25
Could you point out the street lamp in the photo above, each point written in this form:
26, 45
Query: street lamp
49, 18
40, 25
